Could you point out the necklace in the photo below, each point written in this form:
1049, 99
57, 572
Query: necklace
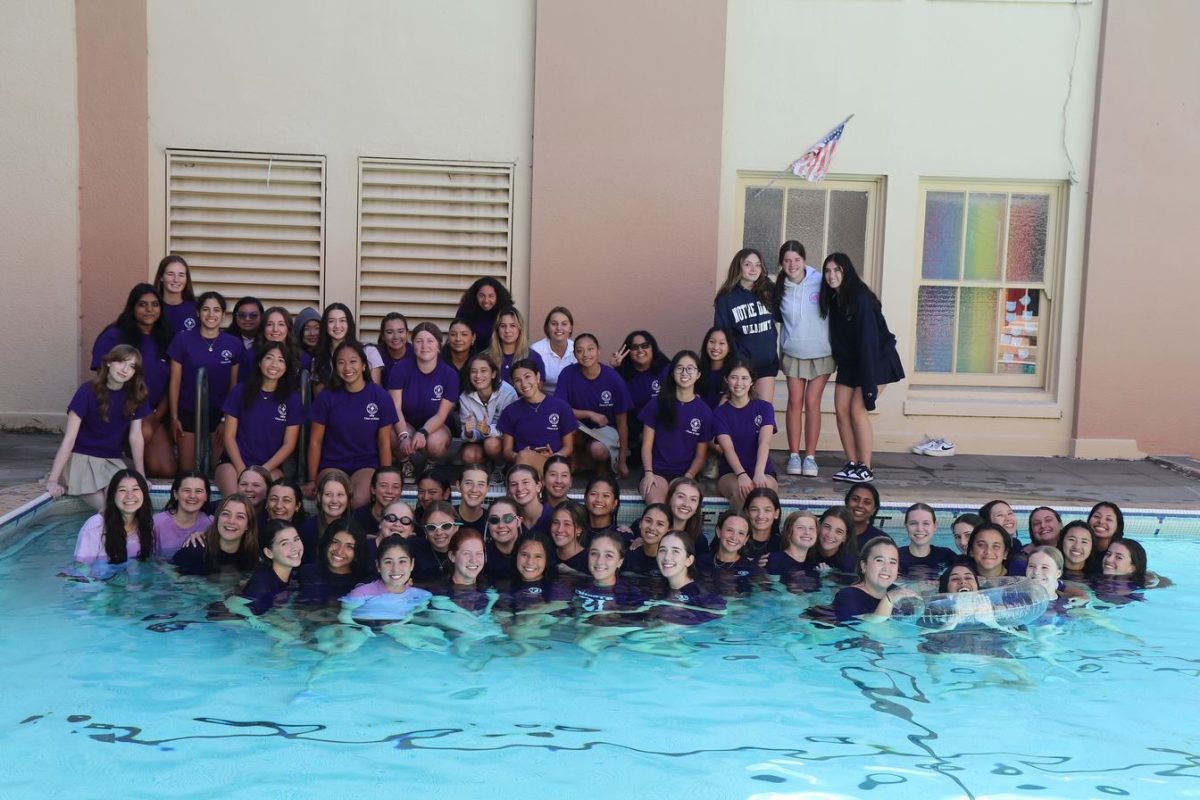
211, 342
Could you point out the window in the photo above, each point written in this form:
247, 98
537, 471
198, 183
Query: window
837, 214
249, 224
989, 256
426, 231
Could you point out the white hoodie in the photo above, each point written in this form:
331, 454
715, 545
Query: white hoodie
803, 333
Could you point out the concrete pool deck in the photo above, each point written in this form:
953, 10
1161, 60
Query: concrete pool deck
1157, 482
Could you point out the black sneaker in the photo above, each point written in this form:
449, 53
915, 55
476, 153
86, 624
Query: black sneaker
862, 474
847, 473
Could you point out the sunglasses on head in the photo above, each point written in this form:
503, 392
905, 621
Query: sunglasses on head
393, 519
501, 519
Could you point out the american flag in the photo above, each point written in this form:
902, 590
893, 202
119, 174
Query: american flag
813, 165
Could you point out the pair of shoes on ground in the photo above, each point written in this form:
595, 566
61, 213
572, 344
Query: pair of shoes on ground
934, 447
854, 472
806, 467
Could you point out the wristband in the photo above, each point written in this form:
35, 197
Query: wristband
740, 474
403, 436
423, 432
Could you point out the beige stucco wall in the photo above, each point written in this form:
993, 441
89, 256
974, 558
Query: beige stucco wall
939, 89
39, 226
1138, 375
432, 79
627, 143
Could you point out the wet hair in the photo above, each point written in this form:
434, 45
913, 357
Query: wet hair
360, 566
172, 501
261, 472
115, 547
1137, 556
335, 380
189, 292
387, 469
658, 358
790, 246
464, 534
440, 507
271, 529
612, 536
247, 301
727, 515
435, 473
762, 288
985, 510
557, 459
135, 387
1120, 533
850, 545
870, 487
1029, 519
944, 579
785, 530
248, 552
126, 322
515, 468
969, 518
868, 548
984, 528
535, 537
578, 515
846, 298
694, 525
689, 548
332, 475
462, 473
669, 394
920, 507
769, 494
506, 500
1055, 555
566, 312
393, 542
612, 484
1092, 565
286, 385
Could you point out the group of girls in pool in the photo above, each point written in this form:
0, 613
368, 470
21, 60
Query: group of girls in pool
535, 545
482, 389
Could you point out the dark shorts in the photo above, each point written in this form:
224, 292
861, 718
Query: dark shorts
765, 370
187, 419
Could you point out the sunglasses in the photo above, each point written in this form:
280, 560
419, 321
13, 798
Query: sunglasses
393, 519
501, 519
444, 527
640, 346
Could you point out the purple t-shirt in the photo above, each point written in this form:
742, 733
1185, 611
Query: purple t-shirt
100, 437
181, 318
262, 426
169, 537
422, 393
606, 394
218, 356
675, 447
537, 425
644, 386
352, 421
743, 425
389, 362
507, 362
155, 366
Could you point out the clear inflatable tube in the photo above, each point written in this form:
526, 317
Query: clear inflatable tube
1002, 603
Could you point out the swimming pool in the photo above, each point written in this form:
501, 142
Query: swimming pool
123, 690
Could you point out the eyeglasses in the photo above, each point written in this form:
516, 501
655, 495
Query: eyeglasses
393, 519
501, 519
443, 528
685, 369
639, 346
247, 315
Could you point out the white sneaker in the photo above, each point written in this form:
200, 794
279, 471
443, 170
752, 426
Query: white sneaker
920, 447
795, 466
939, 448
809, 469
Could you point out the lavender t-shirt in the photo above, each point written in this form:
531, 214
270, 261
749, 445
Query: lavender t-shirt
262, 426
218, 356
543, 424
605, 394
352, 421
169, 537
100, 437
743, 425
156, 369
422, 394
675, 447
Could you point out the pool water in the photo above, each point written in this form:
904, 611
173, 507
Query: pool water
126, 690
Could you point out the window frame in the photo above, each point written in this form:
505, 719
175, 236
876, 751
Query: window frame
1049, 326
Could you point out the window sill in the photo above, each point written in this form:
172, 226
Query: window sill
984, 402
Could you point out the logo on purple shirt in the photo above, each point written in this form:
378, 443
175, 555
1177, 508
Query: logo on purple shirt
189, 323
226, 357
372, 412
553, 419
694, 426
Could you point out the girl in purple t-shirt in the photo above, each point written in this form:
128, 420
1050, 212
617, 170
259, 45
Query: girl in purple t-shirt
536, 426
124, 528
600, 400
174, 281
351, 425
743, 428
100, 417
510, 344
219, 353
678, 429
424, 391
